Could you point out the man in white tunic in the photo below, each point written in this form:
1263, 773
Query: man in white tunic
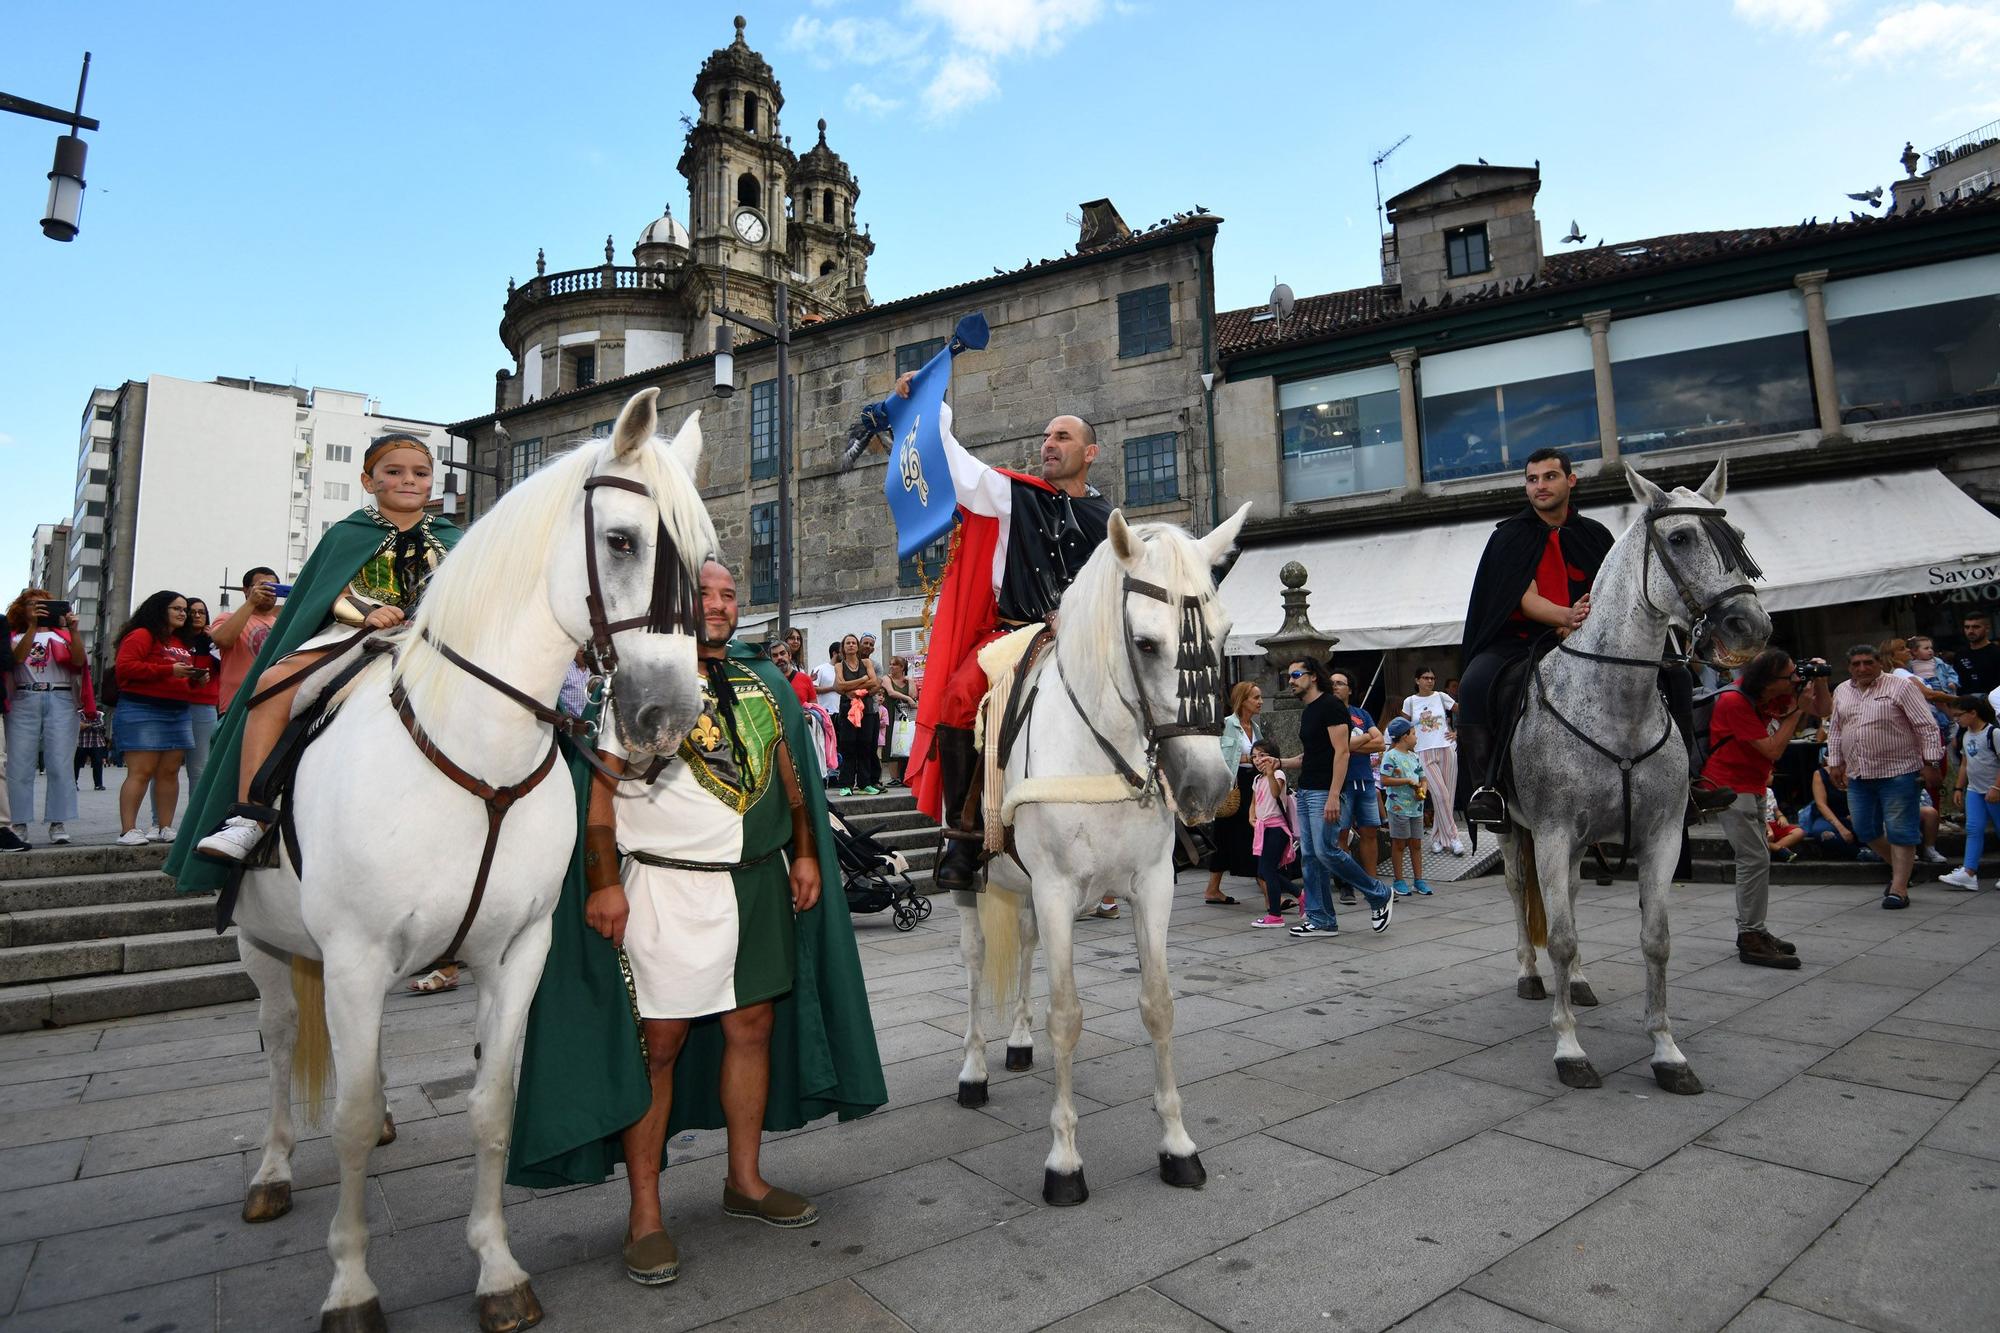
717, 855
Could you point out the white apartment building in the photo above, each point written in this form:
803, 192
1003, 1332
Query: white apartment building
48, 557
185, 484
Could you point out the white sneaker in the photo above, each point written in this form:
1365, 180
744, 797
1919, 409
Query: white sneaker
133, 837
1933, 856
58, 834
165, 833
1458, 847
234, 841
1961, 878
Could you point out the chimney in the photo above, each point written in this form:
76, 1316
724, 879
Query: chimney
1392, 268
1101, 226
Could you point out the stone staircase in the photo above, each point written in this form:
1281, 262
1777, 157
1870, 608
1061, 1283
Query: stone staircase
94, 933
91, 933
1711, 863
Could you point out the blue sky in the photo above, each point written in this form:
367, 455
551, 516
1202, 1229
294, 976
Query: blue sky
339, 194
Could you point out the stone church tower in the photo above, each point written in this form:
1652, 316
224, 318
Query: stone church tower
757, 214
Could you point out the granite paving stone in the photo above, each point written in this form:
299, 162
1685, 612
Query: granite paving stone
1959, 999
838, 1306
1495, 1017
1139, 1308
1934, 1068
186, 1305
1887, 969
14, 1260
39, 1164
1129, 1232
1821, 1012
1462, 1312
1358, 1063
1972, 1126
1740, 1064
83, 1205
1898, 1026
878, 1145
1191, 1014
1769, 1316
1630, 1120
1850, 1130
1124, 1140
1443, 1219
1124, 1075
180, 1074
1390, 1127
1529, 1061
1849, 1273
66, 1064
1605, 1267
17, 1099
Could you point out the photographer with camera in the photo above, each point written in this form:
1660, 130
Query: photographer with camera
240, 635
1753, 722
48, 680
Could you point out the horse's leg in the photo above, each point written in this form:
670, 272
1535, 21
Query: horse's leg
971, 948
270, 1194
1581, 996
1656, 868
1062, 1176
354, 994
1180, 1164
1555, 865
1514, 860
1021, 1039
506, 988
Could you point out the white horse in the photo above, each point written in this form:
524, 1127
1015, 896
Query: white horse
1122, 729
389, 844
1596, 758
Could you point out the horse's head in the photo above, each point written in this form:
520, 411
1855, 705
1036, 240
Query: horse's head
1697, 568
1171, 645
630, 577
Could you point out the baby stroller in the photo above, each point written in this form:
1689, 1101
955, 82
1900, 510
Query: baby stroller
876, 877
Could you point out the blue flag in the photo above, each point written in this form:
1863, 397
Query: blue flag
922, 499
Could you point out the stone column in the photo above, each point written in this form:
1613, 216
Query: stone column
1599, 324
1826, 395
1406, 398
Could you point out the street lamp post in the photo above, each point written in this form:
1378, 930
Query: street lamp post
452, 468
59, 222
779, 332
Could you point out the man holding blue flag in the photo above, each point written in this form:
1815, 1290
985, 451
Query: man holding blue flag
1021, 540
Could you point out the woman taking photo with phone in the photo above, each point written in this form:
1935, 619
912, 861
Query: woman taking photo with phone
152, 726
48, 677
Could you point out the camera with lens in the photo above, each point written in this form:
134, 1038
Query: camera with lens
1814, 671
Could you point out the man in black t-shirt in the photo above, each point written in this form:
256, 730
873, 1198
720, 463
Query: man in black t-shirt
1322, 768
1978, 663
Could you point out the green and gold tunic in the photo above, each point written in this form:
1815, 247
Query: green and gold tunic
706, 877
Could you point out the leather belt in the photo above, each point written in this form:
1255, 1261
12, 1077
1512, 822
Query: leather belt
38, 685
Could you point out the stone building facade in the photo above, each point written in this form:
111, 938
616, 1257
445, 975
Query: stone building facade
1118, 334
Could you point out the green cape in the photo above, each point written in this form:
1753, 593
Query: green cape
583, 1077
333, 564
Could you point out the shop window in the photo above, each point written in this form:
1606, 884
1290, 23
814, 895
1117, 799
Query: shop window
1145, 321
1341, 434
1152, 470
1916, 341
1485, 409
1724, 371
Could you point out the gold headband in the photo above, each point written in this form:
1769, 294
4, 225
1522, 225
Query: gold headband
377, 448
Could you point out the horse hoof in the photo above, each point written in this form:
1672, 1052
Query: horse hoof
1020, 1057
1064, 1191
268, 1202
507, 1311
355, 1319
1530, 988
388, 1131
1577, 1074
1183, 1173
1581, 995
972, 1094
1677, 1079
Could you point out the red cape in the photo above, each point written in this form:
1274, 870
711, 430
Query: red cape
967, 611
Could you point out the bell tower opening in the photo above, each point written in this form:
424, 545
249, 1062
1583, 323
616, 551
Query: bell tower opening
748, 193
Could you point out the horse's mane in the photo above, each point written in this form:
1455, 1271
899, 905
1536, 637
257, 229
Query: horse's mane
1092, 629
501, 558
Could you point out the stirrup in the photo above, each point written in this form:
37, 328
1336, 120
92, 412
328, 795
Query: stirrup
263, 814
1477, 811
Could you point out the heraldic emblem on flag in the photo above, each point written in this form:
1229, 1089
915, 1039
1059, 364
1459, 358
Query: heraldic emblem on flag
922, 499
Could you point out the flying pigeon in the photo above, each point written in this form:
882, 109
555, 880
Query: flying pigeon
1575, 236
1872, 198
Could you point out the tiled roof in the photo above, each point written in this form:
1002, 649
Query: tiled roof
1336, 314
1189, 225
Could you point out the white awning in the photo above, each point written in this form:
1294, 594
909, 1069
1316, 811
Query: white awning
1820, 543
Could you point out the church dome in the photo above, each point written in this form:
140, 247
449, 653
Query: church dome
665, 230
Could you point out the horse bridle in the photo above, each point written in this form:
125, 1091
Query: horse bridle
1200, 710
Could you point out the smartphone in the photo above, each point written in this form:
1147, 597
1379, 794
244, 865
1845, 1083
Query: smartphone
281, 589
54, 613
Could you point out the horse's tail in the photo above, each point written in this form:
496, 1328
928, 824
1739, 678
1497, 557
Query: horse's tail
1000, 926
1531, 893
312, 1051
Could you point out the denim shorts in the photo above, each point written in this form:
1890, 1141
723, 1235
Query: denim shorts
1885, 807
1361, 809
142, 724
1406, 827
